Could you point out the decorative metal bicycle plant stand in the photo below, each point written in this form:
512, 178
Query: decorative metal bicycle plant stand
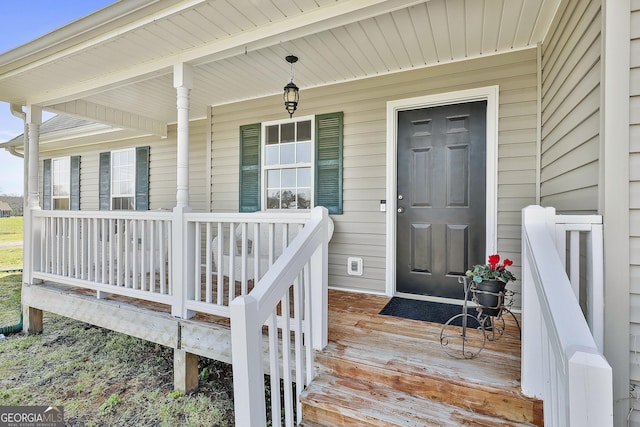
465, 334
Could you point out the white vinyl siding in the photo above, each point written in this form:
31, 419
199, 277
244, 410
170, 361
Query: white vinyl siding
361, 230
634, 203
571, 109
162, 167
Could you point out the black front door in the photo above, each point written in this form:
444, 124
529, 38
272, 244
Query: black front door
441, 215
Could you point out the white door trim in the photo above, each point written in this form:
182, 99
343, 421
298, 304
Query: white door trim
489, 94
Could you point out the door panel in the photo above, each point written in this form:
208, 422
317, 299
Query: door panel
441, 215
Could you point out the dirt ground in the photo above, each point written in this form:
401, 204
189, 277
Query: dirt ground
103, 378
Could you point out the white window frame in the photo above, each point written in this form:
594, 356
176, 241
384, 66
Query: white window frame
113, 187
264, 168
66, 177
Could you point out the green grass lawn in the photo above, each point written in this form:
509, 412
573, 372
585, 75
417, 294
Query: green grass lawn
11, 229
11, 243
101, 377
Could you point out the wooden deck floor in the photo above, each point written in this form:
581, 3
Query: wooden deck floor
376, 371
380, 370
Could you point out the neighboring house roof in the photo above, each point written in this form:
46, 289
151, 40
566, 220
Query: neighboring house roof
57, 123
14, 202
4, 206
116, 66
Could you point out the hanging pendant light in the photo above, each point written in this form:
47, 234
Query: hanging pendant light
291, 91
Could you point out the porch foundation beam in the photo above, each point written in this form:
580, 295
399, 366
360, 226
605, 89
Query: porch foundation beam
185, 371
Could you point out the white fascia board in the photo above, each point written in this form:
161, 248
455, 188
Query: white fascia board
110, 116
322, 19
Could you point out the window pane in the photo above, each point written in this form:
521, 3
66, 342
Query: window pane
287, 154
304, 198
272, 135
303, 152
273, 199
122, 203
304, 177
273, 179
61, 177
288, 132
288, 200
288, 178
273, 152
62, 204
304, 131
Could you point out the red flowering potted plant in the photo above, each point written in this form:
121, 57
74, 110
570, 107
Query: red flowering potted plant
490, 280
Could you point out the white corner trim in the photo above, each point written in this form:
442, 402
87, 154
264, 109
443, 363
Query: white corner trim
489, 94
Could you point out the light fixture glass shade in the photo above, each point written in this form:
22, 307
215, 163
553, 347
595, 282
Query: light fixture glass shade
291, 97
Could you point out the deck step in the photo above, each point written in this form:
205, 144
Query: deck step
381, 370
476, 393
334, 401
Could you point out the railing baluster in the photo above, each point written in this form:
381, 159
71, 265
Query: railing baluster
220, 266
163, 259
232, 261
308, 330
255, 248
286, 358
243, 260
208, 262
143, 255
274, 369
152, 255
126, 241
299, 364
196, 262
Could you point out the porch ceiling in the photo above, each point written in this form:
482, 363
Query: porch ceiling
121, 57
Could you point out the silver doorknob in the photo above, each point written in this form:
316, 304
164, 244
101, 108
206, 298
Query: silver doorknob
400, 210
400, 197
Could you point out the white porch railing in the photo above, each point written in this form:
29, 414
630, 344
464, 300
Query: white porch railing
230, 253
121, 253
291, 300
258, 269
561, 363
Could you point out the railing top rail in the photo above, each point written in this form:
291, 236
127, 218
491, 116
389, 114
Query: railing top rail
578, 219
151, 215
254, 217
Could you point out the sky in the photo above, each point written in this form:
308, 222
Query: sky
21, 22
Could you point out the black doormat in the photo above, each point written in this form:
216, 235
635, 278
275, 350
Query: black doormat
428, 311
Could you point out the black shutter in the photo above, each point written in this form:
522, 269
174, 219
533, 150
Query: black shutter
74, 202
142, 178
250, 168
328, 168
104, 185
46, 184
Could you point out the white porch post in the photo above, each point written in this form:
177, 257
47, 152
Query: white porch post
183, 273
32, 317
319, 285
